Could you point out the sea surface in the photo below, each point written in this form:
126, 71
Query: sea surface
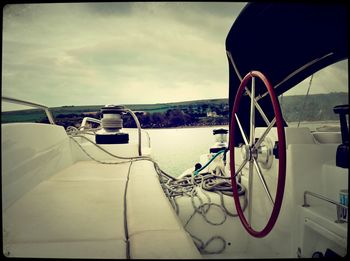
178, 149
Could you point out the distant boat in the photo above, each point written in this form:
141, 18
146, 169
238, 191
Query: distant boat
266, 191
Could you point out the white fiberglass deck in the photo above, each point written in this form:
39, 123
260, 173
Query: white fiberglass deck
81, 210
79, 213
59, 203
83, 205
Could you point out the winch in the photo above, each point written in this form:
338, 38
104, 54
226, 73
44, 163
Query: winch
221, 140
112, 123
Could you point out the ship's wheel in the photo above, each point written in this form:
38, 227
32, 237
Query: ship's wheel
251, 149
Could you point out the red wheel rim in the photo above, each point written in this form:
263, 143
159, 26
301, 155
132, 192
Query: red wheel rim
281, 155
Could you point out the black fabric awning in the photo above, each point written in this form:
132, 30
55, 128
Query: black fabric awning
285, 41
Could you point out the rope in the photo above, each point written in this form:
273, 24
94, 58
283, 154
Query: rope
189, 186
217, 154
126, 230
173, 188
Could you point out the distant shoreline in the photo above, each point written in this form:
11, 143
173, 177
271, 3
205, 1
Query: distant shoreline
193, 114
188, 127
290, 124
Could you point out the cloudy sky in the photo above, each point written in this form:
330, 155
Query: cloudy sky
122, 53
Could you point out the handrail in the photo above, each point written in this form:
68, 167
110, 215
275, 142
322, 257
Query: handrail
86, 119
138, 128
32, 104
148, 138
324, 199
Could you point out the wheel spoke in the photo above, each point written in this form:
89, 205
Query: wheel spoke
258, 170
241, 129
252, 113
263, 136
263, 115
250, 191
241, 167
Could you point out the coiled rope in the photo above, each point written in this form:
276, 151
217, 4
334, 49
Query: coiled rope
189, 185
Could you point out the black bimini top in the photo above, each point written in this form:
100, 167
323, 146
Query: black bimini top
285, 41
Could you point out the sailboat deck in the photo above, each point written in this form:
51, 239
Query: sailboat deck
81, 212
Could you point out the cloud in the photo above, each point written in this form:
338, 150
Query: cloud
131, 52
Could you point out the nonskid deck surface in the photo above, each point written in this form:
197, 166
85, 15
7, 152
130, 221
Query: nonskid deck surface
80, 213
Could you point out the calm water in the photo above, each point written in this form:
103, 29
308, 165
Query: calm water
179, 149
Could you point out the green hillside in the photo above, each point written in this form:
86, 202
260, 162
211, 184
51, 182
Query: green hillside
318, 107
33, 115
